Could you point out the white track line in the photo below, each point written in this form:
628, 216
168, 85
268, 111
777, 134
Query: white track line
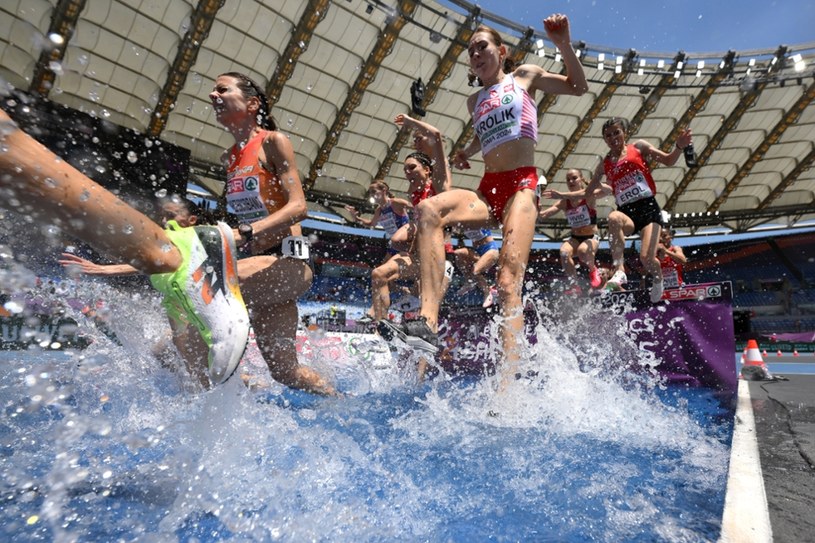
746, 518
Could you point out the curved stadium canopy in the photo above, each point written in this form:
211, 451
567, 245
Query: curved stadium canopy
338, 71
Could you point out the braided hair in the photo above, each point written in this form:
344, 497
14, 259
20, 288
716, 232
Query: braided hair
422, 159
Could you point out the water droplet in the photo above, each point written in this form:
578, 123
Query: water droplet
127, 229
51, 183
6, 128
309, 87
56, 39
132, 157
161, 193
55, 66
85, 196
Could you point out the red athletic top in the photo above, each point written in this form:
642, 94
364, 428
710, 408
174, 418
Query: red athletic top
630, 177
422, 193
580, 214
671, 272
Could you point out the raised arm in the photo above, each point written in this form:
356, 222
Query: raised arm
574, 81
428, 140
551, 210
401, 206
649, 152
370, 223
602, 192
675, 252
74, 263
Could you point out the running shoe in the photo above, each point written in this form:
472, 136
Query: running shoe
414, 333
617, 280
594, 277
204, 291
657, 288
365, 319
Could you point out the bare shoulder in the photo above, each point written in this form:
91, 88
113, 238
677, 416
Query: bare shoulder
643, 146
276, 138
528, 71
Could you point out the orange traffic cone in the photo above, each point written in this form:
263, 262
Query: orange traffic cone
754, 368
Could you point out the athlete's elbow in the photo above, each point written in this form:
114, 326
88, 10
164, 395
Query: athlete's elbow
299, 212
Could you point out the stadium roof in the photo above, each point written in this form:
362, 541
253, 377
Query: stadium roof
339, 71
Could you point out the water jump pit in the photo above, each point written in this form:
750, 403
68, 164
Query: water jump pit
618, 429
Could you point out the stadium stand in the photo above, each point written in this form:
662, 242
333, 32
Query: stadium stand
773, 278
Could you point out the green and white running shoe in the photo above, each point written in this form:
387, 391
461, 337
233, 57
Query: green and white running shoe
204, 292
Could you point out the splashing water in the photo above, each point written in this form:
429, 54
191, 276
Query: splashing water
107, 443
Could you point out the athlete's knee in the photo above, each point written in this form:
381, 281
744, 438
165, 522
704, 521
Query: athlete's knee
616, 220
380, 276
428, 213
509, 280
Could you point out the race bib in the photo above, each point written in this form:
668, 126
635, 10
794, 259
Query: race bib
296, 247
670, 279
631, 188
448, 269
578, 217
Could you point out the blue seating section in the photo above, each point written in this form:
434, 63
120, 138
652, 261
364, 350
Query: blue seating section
750, 265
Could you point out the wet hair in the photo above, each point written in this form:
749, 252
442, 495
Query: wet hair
378, 184
249, 89
422, 159
509, 64
615, 120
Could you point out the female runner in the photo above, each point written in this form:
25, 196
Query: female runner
265, 194
627, 170
582, 218
505, 120
428, 174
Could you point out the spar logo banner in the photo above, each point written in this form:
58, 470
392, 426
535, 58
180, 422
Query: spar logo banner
699, 292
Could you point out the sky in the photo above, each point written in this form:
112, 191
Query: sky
668, 26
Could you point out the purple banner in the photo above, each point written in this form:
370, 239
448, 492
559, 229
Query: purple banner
691, 334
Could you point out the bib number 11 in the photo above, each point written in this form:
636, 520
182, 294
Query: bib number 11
296, 247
